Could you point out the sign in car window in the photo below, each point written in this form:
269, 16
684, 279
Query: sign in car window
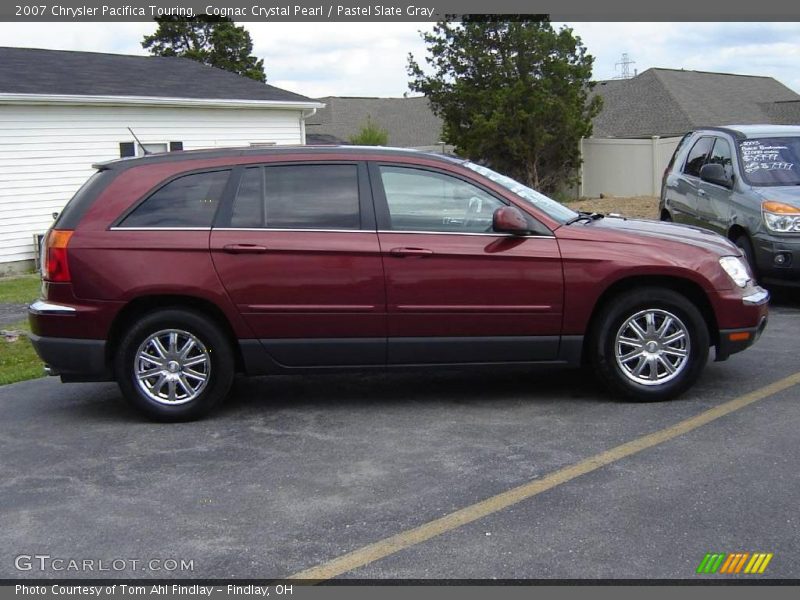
771, 161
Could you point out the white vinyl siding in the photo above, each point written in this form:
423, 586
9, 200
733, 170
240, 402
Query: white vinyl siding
47, 151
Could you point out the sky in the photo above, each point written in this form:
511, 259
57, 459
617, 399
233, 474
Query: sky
369, 59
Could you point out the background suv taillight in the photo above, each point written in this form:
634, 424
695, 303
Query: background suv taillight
55, 266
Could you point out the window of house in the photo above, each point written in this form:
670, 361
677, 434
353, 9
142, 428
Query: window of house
188, 201
128, 149
298, 197
420, 200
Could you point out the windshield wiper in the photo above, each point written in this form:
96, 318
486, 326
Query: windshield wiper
585, 216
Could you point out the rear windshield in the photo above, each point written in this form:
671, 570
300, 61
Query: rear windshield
75, 209
771, 161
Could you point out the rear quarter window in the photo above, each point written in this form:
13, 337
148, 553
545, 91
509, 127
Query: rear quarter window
188, 201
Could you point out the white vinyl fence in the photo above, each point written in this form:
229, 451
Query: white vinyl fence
624, 167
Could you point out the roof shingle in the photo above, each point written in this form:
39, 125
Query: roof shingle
60, 72
671, 102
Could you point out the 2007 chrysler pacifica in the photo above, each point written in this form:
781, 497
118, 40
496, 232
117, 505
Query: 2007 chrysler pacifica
170, 273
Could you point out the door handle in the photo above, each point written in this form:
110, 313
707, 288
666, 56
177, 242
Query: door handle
244, 249
701, 193
410, 252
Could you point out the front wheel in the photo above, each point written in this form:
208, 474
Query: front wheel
174, 365
649, 344
743, 243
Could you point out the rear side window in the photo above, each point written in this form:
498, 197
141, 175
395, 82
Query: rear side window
698, 156
298, 197
677, 151
188, 201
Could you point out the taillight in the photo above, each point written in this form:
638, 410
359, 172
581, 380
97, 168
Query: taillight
54, 264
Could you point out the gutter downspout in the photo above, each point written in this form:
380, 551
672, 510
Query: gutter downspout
303, 116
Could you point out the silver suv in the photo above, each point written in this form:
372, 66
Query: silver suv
742, 181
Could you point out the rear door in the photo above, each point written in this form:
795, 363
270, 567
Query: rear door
457, 291
297, 251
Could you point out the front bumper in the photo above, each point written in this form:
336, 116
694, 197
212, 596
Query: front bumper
767, 249
736, 339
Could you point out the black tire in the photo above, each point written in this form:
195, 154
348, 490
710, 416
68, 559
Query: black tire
665, 216
661, 302
214, 348
746, 246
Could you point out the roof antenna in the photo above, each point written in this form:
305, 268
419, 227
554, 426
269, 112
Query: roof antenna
144, 150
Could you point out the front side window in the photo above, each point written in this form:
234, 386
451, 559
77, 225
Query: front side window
721, 155
698, 156
298, 197
188, 201
771, 161
421, 200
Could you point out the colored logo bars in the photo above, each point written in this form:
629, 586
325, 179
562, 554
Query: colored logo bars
734, 563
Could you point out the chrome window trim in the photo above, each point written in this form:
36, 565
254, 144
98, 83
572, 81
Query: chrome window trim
279, 229
43, 307
273, 230
549, 237
118, 228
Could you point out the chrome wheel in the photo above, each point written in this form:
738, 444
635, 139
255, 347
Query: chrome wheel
172, 367
652, 347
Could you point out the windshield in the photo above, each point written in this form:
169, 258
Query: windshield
557, 211
771, 161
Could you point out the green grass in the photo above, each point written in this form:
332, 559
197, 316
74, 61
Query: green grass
18, 360
20, 290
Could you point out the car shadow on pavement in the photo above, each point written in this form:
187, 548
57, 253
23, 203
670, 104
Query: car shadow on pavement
450, 387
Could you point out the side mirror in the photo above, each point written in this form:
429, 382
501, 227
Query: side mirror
508, 219
715, 173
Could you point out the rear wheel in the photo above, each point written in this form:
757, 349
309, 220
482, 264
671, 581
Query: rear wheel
174, 365
665, 216
649, 344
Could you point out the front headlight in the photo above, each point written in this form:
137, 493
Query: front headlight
736, 269
780, 217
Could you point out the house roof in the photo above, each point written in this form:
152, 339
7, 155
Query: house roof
69, 73
671, 102
409, 121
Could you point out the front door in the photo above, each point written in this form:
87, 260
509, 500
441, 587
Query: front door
714, 201
298, 254
458, 292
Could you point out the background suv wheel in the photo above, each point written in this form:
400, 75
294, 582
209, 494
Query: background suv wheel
649, 344
745, 245
174, 365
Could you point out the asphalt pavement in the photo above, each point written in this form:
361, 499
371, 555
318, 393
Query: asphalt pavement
294, 472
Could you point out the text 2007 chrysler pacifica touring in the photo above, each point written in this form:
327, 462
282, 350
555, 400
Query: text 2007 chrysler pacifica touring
170, 273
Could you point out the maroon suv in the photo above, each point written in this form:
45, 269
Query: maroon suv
171, 273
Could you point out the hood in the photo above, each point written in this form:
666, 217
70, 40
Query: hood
656, 232
788, 194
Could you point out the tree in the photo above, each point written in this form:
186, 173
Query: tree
513, 94
370, 134
211, 40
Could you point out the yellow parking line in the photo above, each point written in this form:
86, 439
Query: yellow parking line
411, 537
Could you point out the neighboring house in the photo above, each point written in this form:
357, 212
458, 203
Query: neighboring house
61, 111
643, 119
410, 122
